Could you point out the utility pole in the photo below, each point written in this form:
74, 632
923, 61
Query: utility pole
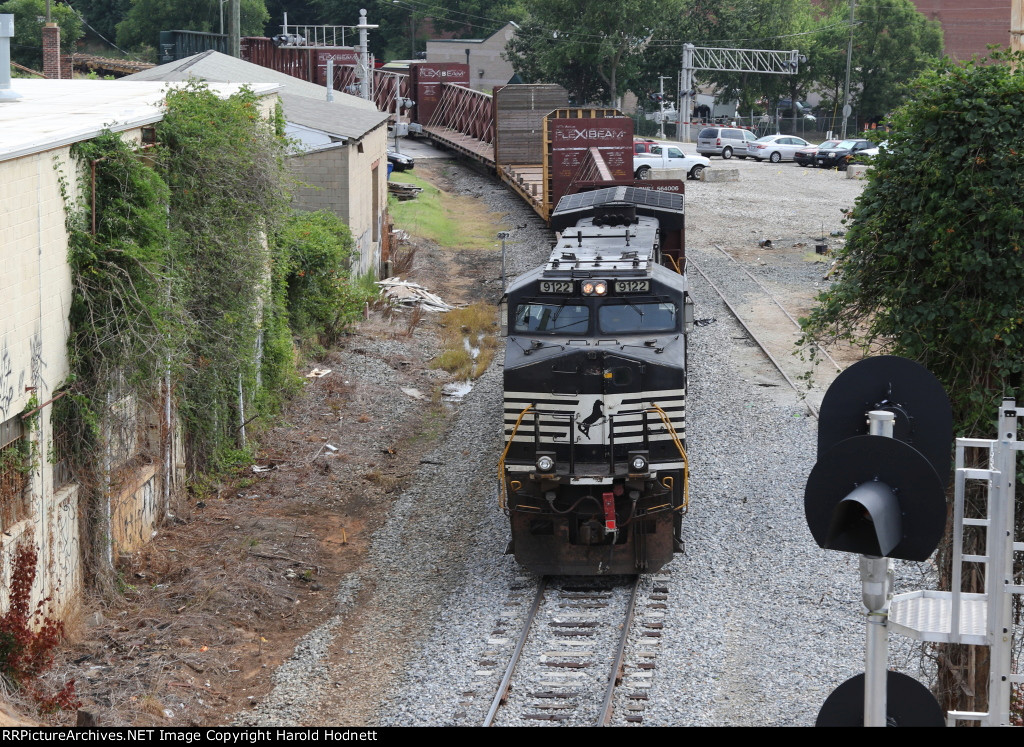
847, 111
234, 28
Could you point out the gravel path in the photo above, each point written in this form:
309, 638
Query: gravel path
763, 625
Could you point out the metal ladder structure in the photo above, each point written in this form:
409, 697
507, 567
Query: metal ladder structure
983, 619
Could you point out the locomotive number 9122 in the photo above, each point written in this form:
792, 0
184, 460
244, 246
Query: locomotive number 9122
594, 471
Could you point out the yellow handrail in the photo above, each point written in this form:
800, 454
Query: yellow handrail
682, 452
502, 497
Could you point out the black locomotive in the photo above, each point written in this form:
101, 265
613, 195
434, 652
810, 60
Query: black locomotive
594, 471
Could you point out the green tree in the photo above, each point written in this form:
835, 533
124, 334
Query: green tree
102, 16
147, 18
27, 44
933, 262
893, 42
755, 24
593, 48
398, 19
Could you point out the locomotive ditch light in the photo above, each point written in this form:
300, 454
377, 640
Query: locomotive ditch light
545, 463
595, 288
639, 463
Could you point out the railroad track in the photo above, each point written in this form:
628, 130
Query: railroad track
586, 646
767, 322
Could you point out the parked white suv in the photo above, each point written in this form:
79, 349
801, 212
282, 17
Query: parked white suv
724, 141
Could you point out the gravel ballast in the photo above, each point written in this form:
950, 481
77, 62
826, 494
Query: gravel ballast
762, 624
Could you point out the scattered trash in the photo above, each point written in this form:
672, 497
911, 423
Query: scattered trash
455, 391
318, 373
414, 393
405, 293
766, 243
331, 447
821, 248
704, 322
257, 468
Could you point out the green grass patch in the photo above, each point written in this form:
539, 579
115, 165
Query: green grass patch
452, 221
462, 329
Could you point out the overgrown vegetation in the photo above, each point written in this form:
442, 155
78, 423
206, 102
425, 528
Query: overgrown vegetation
178, 292
933, 268
468, 337
316, 250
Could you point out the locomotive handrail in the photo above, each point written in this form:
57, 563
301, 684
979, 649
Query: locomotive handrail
686, 462
502, 497
675, 263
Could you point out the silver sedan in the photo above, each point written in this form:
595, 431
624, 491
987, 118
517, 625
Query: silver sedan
776, 147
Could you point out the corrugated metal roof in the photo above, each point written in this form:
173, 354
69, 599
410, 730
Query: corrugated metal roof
221, 68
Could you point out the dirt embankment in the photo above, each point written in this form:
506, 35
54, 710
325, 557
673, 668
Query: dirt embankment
218, 599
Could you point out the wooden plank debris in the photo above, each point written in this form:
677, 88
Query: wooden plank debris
404, 191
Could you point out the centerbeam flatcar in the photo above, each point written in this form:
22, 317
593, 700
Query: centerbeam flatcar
594, 470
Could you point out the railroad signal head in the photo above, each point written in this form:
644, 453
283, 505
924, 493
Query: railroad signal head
908, 703
923, 416
875, 495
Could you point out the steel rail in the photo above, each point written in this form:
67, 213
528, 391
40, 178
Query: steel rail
810, 408
777, 303
499, 697
615, 676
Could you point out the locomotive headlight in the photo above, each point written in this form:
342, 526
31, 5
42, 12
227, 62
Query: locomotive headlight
638, 462
545, 463
595, 288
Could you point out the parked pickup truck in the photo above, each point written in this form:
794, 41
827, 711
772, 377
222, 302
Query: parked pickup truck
668, 156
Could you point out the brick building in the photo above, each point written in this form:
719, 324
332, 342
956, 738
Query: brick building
968, 27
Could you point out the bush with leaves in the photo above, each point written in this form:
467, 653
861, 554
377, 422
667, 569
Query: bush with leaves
223, 163
318, 249
933, 269
933, 264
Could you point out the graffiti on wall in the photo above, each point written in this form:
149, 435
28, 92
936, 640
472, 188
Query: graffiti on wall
134, 511
7, 386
